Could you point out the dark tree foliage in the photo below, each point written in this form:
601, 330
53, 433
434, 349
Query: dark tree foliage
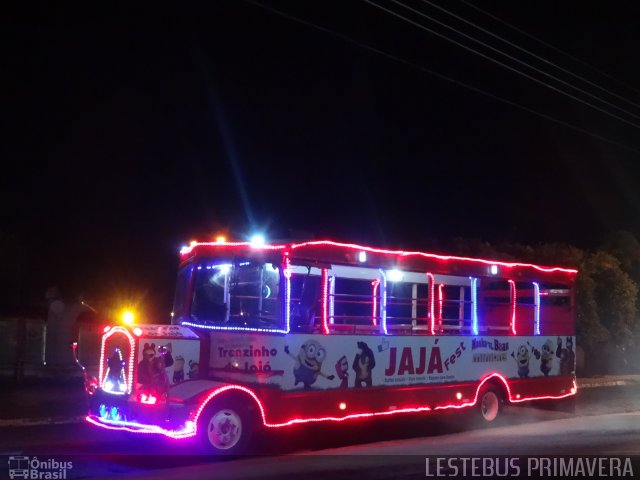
626, 248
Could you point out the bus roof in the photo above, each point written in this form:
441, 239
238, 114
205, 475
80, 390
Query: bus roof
327, 252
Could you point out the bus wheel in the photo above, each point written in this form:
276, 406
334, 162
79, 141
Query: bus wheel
489, 404
225, 428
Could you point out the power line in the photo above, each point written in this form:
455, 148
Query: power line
542, 59
548, 45
419, 25
439, 75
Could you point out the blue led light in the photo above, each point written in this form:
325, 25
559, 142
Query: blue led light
536, 300
235, 329
383, 303
474, 305
224, 267
287, 298
114, 413
188, 430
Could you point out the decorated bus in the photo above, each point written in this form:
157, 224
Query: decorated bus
268, 336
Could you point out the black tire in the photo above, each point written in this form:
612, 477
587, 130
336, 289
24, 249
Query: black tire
225, 427
490, 403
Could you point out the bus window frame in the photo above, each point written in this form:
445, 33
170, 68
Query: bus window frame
348, 272
305, 270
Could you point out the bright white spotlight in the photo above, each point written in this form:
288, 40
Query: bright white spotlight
257, 240
493, 269
394, 275
362, 257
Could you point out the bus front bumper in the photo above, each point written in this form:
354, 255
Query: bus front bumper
118, 412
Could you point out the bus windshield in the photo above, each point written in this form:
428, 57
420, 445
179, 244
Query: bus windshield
182, 289
239, 293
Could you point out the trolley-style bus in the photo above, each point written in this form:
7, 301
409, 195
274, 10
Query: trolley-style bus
268, 336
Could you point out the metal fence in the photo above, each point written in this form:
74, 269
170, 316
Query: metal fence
29, 347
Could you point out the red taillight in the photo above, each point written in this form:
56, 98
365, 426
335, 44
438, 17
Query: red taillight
91, 385
148, 399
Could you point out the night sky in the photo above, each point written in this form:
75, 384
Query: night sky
130, 131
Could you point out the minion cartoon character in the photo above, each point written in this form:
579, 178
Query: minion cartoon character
522, 357
308, 363
178, 369
546, 357
342, 371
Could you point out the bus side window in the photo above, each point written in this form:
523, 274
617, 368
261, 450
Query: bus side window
555, 309
495, 306
305, 312
526, 308
407, 307
354, 301
454, 308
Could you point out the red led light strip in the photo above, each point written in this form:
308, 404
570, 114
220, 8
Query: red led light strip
432, 297
287, 299
512, 287
325, 296
375, 283
132, 345
433, 255
148, 399
440, 303
498, 376
185, 433
186, 250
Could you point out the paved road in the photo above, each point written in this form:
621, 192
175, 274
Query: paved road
606, 422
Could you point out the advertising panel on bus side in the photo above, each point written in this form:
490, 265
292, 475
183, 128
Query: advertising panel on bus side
348, 361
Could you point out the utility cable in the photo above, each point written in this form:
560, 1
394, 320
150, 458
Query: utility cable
530, 77
542, 59
402, 61
548, 45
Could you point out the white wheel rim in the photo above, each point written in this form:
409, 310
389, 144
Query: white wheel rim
489, 406
224, 429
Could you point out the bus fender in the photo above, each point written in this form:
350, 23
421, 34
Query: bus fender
496, 380
237, 393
